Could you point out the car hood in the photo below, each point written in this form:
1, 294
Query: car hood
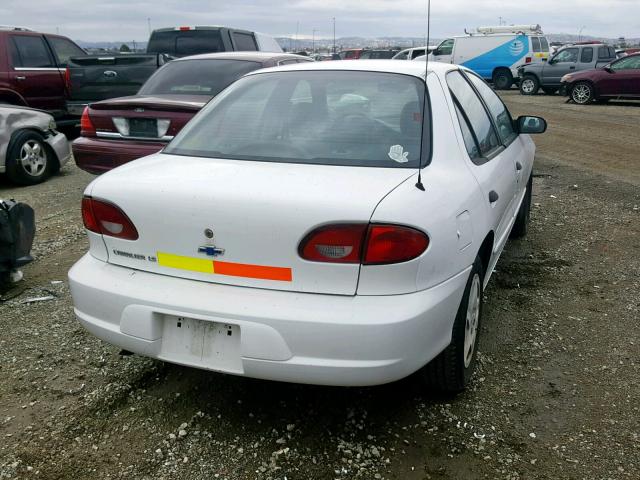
164, 102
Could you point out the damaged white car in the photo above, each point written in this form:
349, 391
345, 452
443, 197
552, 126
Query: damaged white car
31, 149
332, 223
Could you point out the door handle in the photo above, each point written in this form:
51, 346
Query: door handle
21, 77
518, 166
572, 68
493, 196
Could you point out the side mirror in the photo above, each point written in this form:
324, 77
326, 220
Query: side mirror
551, 61
608, 69
531, 125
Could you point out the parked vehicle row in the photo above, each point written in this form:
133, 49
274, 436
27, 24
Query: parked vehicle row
119, 130
50, 72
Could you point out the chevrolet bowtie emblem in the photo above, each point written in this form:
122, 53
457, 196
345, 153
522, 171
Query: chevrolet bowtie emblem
211, 250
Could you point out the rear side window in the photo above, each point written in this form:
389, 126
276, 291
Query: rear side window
345, 118
186, 42
418, 53
535, 44
244, 42
499, 112
402, 55
65, 49
587, 55
472, 108
544, 44
31, 52
605, 53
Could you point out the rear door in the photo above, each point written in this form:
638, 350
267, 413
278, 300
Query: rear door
491, 163
35, 74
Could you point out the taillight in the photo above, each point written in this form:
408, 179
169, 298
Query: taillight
87, 129
393, 244
105, 218
67, 80
339, 243
361, 243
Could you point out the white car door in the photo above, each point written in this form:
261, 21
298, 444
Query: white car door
444, 51
491, 163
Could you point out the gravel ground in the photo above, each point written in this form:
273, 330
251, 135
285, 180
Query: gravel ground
557, 393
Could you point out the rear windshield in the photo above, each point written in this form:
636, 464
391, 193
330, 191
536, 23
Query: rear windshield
196, 77
316, 117
181, 43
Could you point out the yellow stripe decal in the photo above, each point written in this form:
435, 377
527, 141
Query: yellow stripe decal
185, 263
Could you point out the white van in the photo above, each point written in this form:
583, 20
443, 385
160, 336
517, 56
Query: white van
413, 53
495, 53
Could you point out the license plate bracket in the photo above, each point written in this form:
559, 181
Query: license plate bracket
210, 345
143, 127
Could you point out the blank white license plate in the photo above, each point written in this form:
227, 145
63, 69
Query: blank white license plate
210, 345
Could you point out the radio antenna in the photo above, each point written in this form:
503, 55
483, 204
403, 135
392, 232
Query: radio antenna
419, 184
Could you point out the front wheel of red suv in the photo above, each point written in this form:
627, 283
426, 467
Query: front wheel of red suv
582, 93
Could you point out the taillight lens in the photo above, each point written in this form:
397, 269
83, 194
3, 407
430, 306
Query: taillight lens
393, 244
87, 128
67, 79
105, 218
339, 243
361, 243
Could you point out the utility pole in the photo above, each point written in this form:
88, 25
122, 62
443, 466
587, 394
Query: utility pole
296, 41
334, 34
149, 25
313, 41
580, 33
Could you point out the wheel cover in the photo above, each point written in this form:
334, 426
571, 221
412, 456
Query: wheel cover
581, 93
528, 85
33, 158
472, 319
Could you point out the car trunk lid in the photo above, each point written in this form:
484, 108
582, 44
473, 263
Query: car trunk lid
256, 212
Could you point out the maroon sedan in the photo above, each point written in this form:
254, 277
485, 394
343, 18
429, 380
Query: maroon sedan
619, 79
119, 130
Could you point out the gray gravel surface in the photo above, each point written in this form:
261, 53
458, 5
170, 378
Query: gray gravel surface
556, 395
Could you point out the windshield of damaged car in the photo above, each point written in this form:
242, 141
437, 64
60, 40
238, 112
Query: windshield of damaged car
320, 117
196, 77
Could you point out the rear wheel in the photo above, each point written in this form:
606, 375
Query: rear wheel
582, 93
502, 79
451, 371
529, 85
521, 225
28, 159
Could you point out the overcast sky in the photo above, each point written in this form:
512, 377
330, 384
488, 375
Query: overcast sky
105, 20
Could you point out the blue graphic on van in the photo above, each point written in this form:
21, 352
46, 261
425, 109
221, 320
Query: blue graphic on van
506, 55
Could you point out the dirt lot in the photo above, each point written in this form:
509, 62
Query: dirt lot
557, 394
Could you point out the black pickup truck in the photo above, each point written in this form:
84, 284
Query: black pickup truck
91, 78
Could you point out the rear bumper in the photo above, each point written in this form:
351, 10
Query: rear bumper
283, 336
96, 155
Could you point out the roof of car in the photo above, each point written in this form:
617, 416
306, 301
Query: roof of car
247, 56
417, 69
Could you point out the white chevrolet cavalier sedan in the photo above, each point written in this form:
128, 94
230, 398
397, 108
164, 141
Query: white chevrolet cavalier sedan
329, 223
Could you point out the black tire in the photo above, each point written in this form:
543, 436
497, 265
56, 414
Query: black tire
502, 79
529, 85
451, 371
582, 93
29, 160
550, 90
521, 225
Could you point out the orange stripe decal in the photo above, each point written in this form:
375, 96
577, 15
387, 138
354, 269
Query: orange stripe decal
252, 271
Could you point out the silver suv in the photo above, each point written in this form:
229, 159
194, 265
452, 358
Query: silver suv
569, 59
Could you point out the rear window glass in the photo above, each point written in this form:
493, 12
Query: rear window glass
65, 49
196, 77
315, 117
186, 42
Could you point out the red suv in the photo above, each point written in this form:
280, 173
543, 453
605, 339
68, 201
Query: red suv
32, 69
618, 79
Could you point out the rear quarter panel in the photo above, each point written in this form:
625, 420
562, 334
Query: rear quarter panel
451, 193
